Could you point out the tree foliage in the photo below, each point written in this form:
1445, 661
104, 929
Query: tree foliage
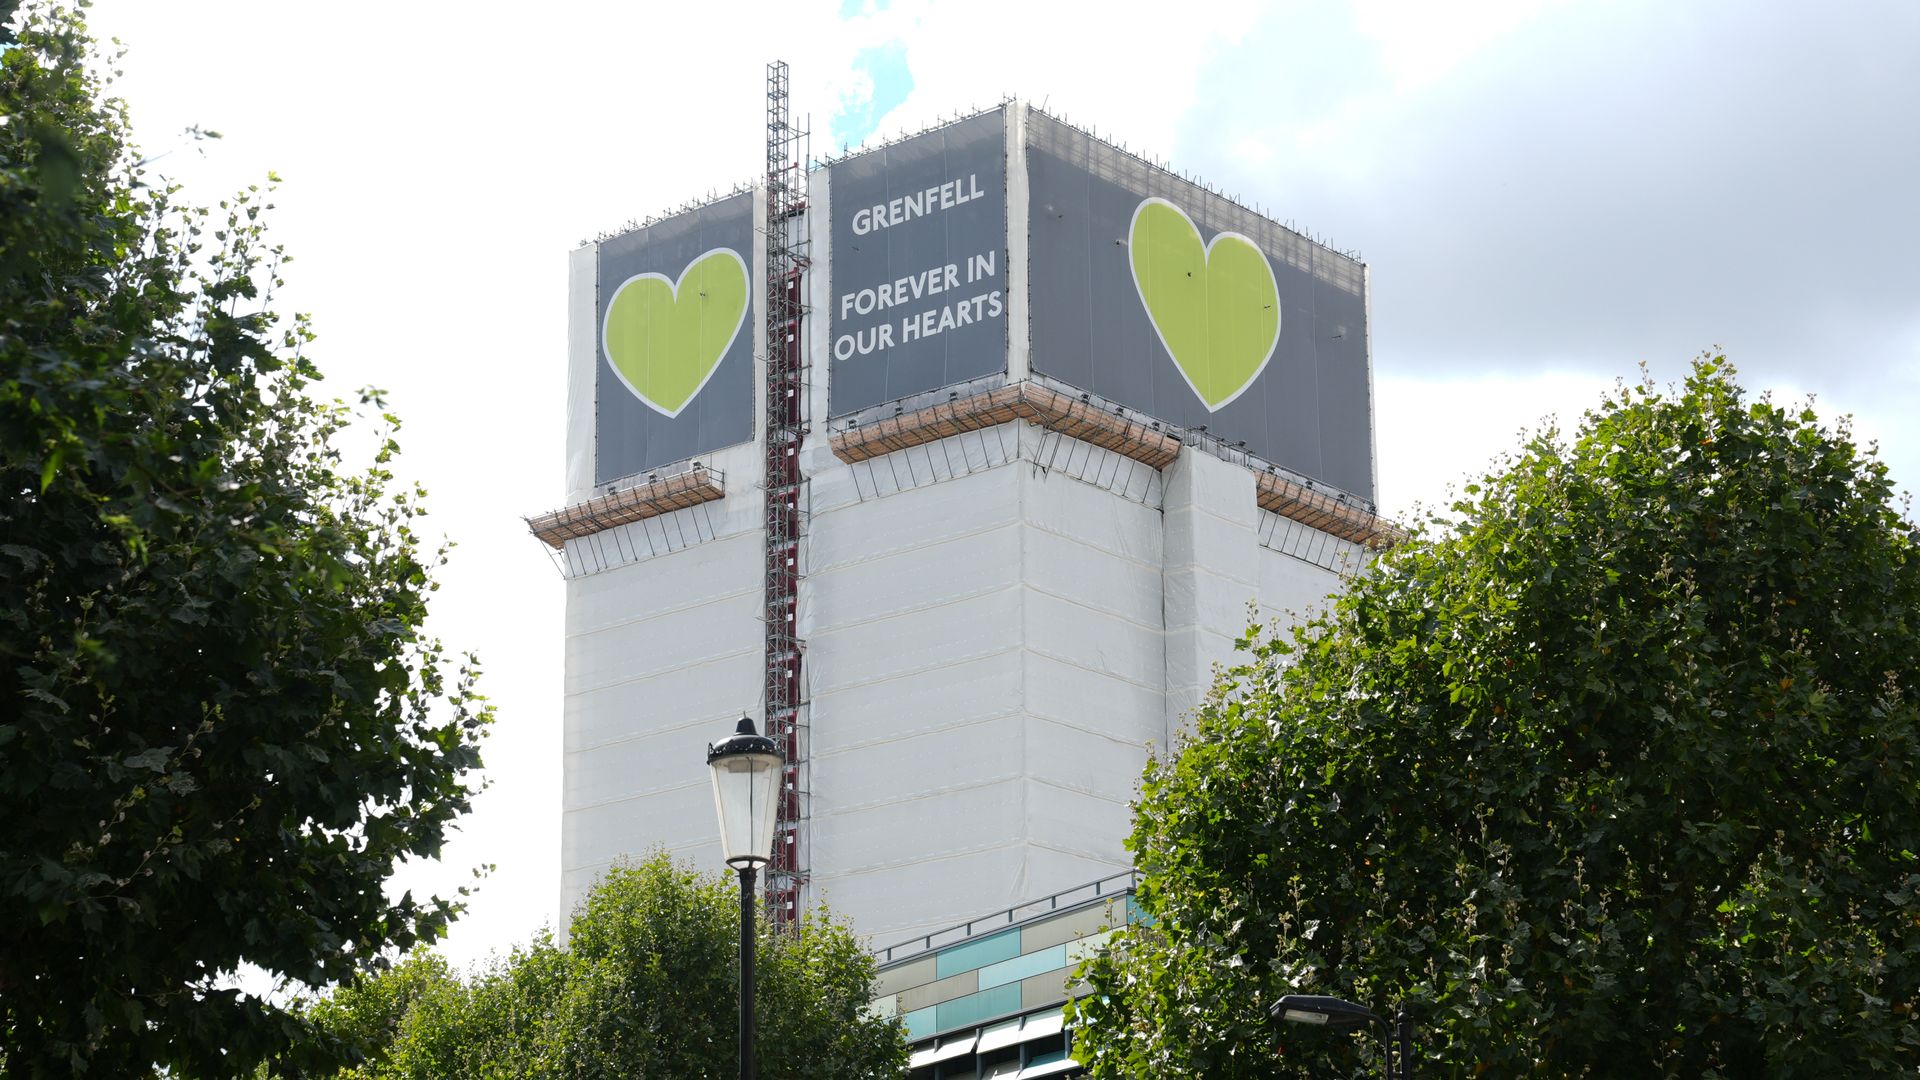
646, 988
1613, 771
222, 726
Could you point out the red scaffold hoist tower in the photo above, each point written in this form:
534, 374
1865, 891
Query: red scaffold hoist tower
786, 511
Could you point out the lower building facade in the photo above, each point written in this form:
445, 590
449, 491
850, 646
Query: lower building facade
1000, 626
985, 998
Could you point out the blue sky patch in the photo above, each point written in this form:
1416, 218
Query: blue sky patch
888, 84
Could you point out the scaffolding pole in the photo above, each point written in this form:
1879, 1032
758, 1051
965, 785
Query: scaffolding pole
786, 506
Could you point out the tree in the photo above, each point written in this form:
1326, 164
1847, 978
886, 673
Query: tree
646, 988
222, 725
1614, 770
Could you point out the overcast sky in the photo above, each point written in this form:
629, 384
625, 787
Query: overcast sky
1548, 194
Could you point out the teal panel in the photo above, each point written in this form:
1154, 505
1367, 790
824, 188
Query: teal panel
958, 958
919, 1023
974, 1008
1134, 914
1021, 967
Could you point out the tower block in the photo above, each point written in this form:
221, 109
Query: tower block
959, 463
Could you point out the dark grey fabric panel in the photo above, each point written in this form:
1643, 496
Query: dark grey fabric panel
1308, 409
1290, 387
630, 437
1060, 246
1344, 391
882, 351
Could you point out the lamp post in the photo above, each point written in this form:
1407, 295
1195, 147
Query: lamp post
746, 786
1396, 1039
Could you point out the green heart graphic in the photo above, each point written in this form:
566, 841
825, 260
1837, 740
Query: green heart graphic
1216, 307
665, 338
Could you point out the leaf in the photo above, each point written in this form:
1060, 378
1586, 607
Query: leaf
29, 557
155, 759
46, 697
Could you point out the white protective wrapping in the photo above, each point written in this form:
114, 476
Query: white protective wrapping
1017, 203
989, 658
664, 655
911, 613
952, 775
816, 455
583, 335
1210, 575
1292, 590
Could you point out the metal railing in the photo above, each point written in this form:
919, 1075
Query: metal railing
1101, 889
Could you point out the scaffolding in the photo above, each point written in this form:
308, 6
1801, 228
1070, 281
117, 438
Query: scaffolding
786, 507
689, 486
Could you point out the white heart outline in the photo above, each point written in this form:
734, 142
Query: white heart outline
674, 287
1207, 254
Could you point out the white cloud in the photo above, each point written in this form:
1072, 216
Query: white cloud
1129, 68
1435, 434
1420, 42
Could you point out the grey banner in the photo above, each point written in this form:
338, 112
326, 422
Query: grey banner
668, 340
918, 269
1308, 408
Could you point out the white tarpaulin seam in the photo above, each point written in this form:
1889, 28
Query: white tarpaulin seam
1102, 672
848, 809
916, 858
1039, 526
820, 693
821, 573
717, 721
675, 669
821, 753
664, 789
753, 589
951, 660
1104, 613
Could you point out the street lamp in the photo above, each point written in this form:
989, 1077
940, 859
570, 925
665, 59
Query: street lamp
1336, 1013
746, 787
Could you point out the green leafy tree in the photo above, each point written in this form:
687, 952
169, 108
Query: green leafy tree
1614, 771
646, 988
220, 724
369, 1014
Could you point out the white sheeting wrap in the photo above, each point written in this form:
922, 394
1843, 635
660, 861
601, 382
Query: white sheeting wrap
989, 656
1017, 202
1293, 590
583, 350
664, 654
1210, 573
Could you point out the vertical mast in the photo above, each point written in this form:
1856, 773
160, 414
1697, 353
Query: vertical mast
786, 508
